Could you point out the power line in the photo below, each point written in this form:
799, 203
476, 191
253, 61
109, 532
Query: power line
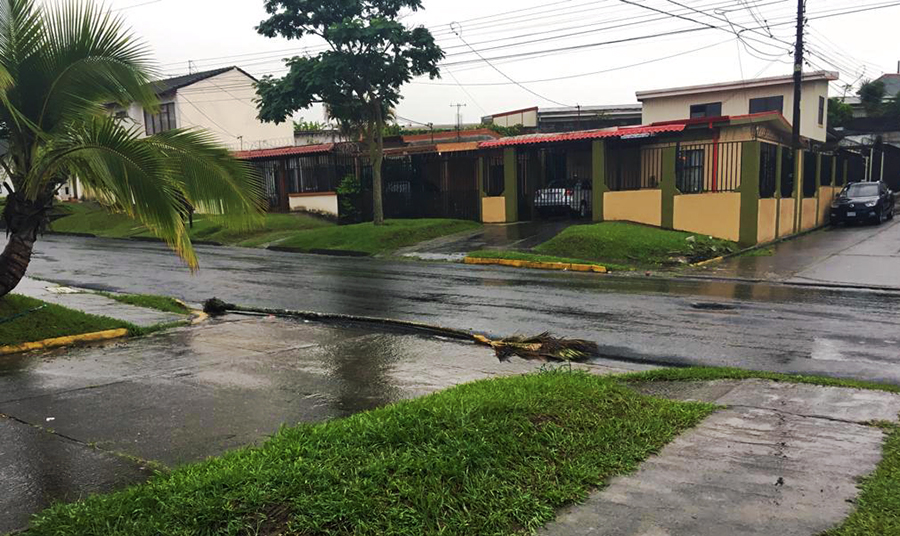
504, 75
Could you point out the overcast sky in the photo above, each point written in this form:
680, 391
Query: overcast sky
214, 33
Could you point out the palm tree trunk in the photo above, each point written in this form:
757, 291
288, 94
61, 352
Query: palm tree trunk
24, 219
14, 260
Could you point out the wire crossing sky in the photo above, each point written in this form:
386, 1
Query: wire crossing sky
510, 54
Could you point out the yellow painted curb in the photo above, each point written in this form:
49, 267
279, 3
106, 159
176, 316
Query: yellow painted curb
199, 316
574, 267
64, 341
707, 261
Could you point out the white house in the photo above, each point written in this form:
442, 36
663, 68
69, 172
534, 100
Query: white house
219, 101
744, 97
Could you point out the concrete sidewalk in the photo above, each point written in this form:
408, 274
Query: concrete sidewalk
88, 302
780, 459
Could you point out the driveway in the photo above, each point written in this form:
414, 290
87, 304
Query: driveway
859, 255
506, 236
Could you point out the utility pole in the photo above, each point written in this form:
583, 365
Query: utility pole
798, 73
459, 108
190, 66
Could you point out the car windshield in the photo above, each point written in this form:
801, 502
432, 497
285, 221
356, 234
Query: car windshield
861, 190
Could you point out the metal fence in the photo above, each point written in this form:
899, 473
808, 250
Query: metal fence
493, 174
768, 170
787, 172
810, 184
634, 167
708, 167
826, 169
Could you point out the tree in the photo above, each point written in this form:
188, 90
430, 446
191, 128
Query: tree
370, 55
839, 112
59, 68
892, 107
871, 95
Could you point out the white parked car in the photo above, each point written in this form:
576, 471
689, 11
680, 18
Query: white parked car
572, 196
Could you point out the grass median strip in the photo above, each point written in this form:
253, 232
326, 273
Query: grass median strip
713, 373
492, 457
150, 301
50, 321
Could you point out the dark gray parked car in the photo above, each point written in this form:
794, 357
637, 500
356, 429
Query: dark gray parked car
862, 202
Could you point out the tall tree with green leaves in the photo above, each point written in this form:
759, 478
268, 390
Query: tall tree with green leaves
61, 65
839, 112
370, 55
871, 95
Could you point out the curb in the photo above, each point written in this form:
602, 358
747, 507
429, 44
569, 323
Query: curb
573, 267
708, 261
64, 341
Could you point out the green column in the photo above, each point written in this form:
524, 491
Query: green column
598, 172
667, 185
749, 233
511, 184
834, 162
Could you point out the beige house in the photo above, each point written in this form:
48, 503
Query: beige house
219, 101
744, 97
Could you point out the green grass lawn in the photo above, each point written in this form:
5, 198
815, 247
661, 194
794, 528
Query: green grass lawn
150, 301
371, 239
92, 219
49, 322
495, 457
301, 232
632, 244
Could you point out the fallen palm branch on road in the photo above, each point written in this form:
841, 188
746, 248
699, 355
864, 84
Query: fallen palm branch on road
544, 347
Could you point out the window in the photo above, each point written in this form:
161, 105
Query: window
861, 189
690, 179
821, 110
767, 104
711, 109
161, 122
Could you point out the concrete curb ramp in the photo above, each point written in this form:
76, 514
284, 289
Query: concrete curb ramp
781, 459
68, 340
573, 267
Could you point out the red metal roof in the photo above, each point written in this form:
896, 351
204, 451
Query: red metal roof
284, 151
618, 132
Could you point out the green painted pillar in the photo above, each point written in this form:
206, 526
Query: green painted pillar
667, 185
749, 232
511, 184
598, 172
834, 162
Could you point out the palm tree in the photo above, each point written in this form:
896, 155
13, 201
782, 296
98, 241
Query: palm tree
60, 69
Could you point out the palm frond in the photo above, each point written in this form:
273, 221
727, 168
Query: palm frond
543, 347
90, 59
212, 180
131, 175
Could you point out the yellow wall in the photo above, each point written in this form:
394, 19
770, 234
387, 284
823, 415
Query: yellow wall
767, 220
786, 218
716, 215
809, 214
826, 196
493, 209
641, 206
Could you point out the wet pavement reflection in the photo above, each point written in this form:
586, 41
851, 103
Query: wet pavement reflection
195, 392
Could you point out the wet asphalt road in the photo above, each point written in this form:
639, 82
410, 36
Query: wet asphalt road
768, 327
